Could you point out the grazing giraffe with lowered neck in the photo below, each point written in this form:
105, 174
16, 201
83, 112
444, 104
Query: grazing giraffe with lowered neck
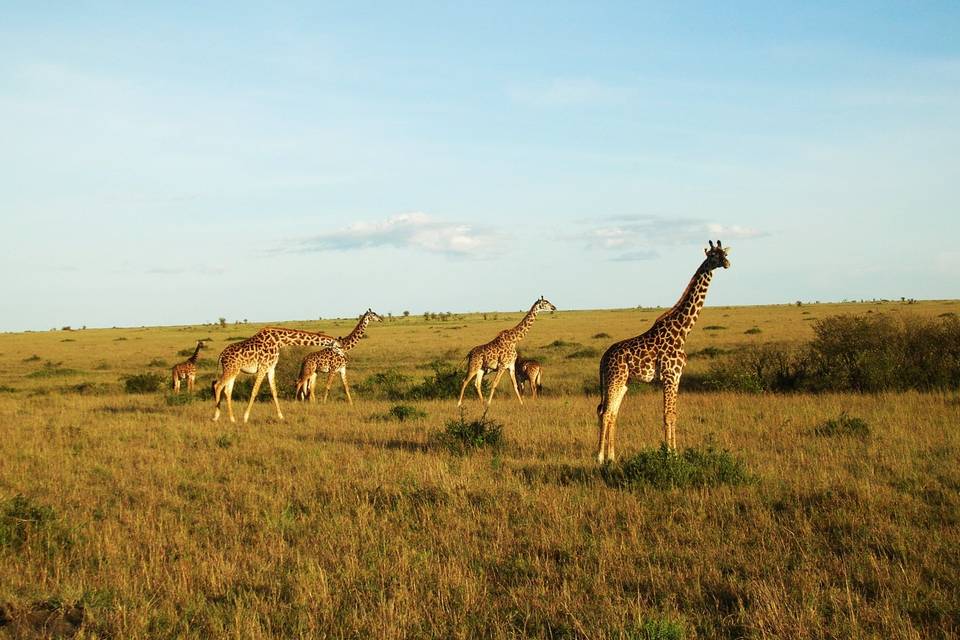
659, 349
186, 370
332, 361
258, 354
500, 354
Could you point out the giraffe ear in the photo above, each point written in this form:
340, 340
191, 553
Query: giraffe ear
706, 252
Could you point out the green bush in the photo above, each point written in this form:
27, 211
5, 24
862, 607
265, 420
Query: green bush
143, 383
22, 521
602, 334
389, 385
665, 469
753, 331
461, 436
401, 413
6, 389
655, 630
586, 352
158, 362
444, 383
843, 426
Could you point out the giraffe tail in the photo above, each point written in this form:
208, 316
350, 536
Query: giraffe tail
602, 407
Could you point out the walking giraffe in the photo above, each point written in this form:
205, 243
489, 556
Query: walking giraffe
331, 361
500, 354
258, 354
530, 371
658, 350
186, 370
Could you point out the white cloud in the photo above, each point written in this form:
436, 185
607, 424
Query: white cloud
638, 237
416, 230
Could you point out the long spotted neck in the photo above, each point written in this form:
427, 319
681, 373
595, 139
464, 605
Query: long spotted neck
354, 337
196, 352
289, 337
524, 325
684, 314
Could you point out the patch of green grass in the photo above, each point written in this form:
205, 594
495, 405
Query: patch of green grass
461, 436
68, 340
23, 521
843, 426
158, 362
586, 352
708, 352
231, 339
143, 383
561, 344
33, 358
752, 331
6, 389
90, 388
665, 469
181, 399
655, 630
52, 370
602, 334
403, 412
714, 327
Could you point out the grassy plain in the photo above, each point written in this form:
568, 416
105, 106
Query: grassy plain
335, 523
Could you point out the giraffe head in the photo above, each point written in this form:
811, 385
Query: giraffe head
543, 305
717, 256
371, 315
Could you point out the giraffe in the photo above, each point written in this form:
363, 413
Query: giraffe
332, 361
658, 350
186, 370
258, 354
530, 371
500, 354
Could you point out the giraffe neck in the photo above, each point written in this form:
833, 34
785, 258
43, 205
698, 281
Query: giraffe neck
516, 334
354, 337
196, 353
684, 314
294, 337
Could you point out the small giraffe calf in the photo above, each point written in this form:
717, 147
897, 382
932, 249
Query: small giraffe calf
187, 370
531, 372
329, 361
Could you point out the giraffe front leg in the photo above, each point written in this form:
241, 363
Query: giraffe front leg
608, 416
271, 380
311, 386
228, 389
326, 389
346, 387
493, 387
670, 387
479, 384
513, 377
190, 382
176, 383
253, 395
470, 376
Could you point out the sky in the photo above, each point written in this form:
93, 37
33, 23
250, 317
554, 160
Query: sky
174, 163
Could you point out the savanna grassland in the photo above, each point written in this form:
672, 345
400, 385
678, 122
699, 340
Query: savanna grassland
834, 515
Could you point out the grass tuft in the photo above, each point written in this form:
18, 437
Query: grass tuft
665, 469
586, 352
461, 436
602, 334
143, 383
843, 426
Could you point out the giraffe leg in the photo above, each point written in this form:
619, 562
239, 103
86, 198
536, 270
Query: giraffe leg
607, 420
217, 390
326, 388
513, 377
470, 375
176, 383
271, 379
535, 385
670, 386
190, 380
493, 388
228, 389
479, 384
311, 386
346, 387
253, 395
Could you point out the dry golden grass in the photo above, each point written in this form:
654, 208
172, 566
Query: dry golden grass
334, 524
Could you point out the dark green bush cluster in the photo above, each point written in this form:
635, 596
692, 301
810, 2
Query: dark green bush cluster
462, 436
143, 383
52, 370
401, 413
586, 352
850, 353
389, 384
22, 519
843, 425
665, 469
443, 383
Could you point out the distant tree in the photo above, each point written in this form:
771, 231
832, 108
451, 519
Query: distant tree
406, 314
799, 304
223, 322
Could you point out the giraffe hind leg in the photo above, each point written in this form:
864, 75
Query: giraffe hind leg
513, 378
261, 374
470, 375
271, 380
493, 387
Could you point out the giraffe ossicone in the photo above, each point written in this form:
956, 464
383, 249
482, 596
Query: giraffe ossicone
659, 350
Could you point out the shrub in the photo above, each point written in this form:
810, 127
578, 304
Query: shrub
600, 335
843, 426
52, 370
462, 436
233, 339
763, 367
560, 344
401, 413
159, 362
444, 383
6, 389
143, 383
665, 469
90, 388
389, 384
708, 352
655, 630
586, 352
22, 520
33, 358
753, 331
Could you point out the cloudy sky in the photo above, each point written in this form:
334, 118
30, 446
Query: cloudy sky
175, 164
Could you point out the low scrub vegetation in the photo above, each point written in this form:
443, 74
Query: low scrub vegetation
461, 436
843, 426
143, 383
665, 469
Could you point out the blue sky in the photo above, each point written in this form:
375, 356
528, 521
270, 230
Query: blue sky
174, 164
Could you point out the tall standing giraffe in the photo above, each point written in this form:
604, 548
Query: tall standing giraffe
500, 354
332, 361
659, 349
186, 370
258, 354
